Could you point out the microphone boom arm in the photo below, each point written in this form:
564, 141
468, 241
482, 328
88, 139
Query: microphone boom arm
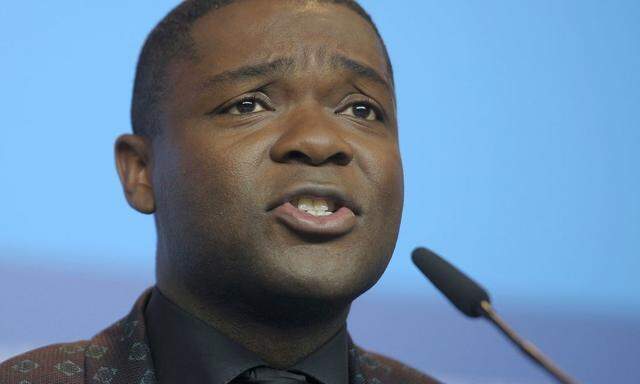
526, 347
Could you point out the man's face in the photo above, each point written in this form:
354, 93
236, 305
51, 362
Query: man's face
286, 105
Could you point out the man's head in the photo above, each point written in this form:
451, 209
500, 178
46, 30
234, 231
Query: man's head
249, 112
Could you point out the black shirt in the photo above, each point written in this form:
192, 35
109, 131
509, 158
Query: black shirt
187, 350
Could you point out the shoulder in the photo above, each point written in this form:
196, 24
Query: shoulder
383, 369
57, 363
120, 350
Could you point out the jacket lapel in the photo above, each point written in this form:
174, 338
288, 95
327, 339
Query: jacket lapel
120, 354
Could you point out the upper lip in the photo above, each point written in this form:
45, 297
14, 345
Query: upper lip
338, 195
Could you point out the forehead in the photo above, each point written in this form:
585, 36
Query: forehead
257, 30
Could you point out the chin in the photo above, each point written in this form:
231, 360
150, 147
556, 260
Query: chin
324, 273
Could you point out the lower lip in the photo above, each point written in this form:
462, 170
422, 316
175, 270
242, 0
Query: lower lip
338, 223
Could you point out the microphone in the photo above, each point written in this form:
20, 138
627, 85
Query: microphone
472, 300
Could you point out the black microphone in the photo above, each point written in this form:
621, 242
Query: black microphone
472, 300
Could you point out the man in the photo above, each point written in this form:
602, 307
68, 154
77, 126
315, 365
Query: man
266, 146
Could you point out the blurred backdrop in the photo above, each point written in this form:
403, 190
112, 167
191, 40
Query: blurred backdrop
520, 131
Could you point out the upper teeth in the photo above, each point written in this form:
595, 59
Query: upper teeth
314, 206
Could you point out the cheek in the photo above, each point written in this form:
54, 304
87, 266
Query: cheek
382, 167
392, 186
203, 186
385, 174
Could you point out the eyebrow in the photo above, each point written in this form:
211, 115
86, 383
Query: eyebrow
359, 69
252, 71
286, 65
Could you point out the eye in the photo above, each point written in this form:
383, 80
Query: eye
246, 106
362, 111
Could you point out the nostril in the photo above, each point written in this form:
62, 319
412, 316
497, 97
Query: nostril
297, 156
340, 158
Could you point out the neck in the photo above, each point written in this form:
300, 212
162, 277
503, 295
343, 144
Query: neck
280, 331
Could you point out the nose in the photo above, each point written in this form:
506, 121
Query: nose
311, 138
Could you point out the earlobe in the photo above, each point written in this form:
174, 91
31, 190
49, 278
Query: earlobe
133, 161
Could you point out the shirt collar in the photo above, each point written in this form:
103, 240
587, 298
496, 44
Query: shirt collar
185, 349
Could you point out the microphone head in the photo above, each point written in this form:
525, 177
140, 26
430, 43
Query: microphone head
463, 292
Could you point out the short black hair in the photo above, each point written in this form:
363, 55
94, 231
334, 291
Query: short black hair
170, 40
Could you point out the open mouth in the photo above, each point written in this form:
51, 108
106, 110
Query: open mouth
315, 206
317, 212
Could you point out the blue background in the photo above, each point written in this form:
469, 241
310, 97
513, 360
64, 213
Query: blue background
520, 129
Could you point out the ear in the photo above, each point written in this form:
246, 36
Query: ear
133, 160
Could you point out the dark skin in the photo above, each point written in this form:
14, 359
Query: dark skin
316, 111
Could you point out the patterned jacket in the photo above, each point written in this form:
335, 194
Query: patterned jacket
120, 354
